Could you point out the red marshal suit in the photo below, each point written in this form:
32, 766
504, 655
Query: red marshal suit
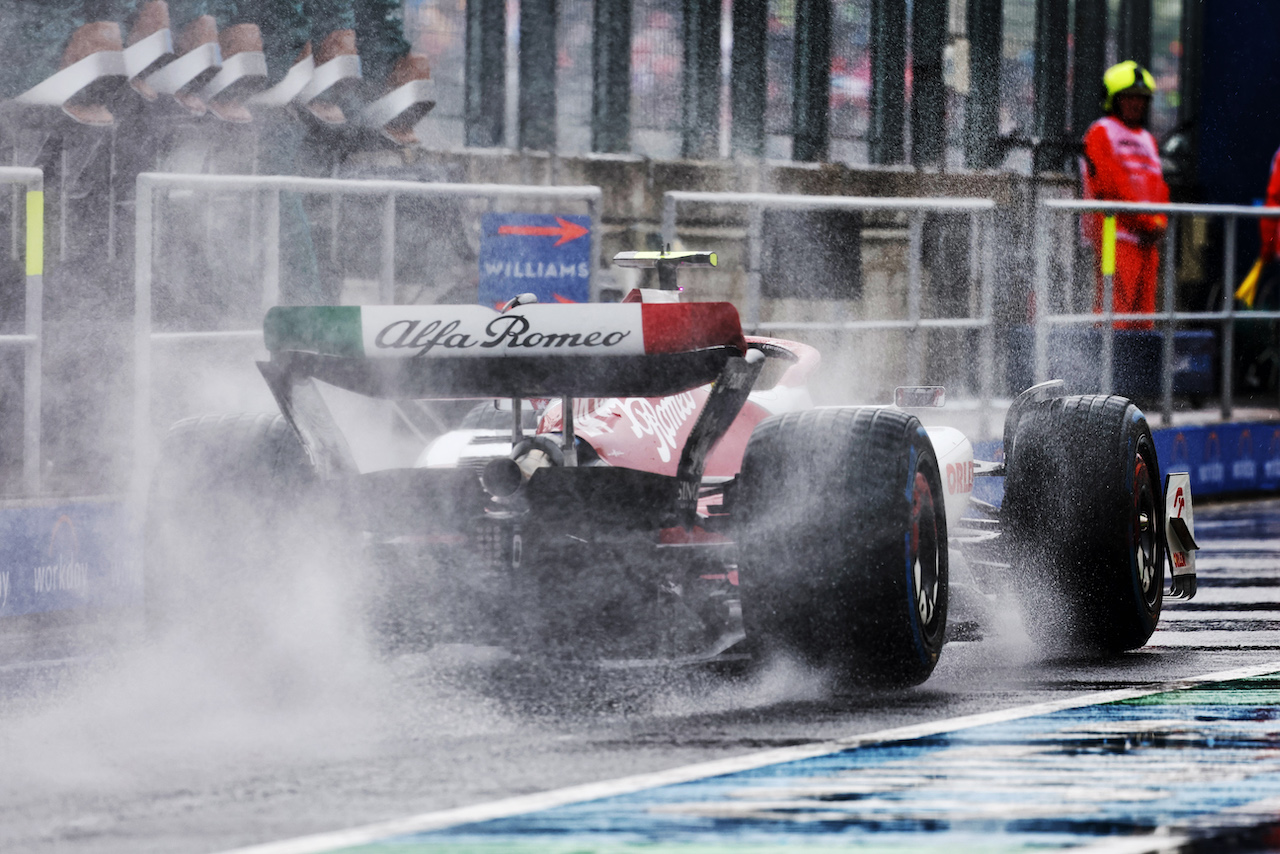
1122, 164
1271, 228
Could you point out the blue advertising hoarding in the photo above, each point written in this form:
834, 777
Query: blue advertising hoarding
1222, 459
66, 557
548, 255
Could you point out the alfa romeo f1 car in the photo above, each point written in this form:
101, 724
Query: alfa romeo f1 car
658, 484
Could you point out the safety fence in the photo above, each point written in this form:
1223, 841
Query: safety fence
980, 214
150, 186
1057, 233
31, 203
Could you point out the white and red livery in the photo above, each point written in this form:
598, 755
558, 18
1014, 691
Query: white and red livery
677, 494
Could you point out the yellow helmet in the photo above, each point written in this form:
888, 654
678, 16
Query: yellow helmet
1126, 77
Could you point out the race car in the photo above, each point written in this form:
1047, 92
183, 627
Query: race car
642, 480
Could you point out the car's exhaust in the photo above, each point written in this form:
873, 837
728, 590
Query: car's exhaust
502, 477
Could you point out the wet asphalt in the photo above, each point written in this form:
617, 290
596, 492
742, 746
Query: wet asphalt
191, 748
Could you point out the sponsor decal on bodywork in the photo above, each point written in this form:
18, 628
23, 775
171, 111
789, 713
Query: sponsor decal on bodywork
662, 418
417, 331
960, 477
1180, 529
648, 433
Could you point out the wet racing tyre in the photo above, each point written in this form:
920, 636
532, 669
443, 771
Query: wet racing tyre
842, 544
222, 492
1084, 510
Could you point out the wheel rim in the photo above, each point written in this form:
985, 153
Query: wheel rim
924, 554
1145, 542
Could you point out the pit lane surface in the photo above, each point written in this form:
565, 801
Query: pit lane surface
175, 750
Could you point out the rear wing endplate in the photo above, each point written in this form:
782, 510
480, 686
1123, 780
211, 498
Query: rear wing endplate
1179, 531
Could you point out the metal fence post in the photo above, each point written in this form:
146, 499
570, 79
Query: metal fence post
1169, 328
387, 267
63, 183
142, 237
915, 348
271, 252
111, 194
593, 275
15, 192
668, 221
987, 363
755, 260
1229, 307
1108, 302
31, 378
1040, 345
1067, 260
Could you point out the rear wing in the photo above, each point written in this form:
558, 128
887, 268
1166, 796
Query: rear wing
636, 349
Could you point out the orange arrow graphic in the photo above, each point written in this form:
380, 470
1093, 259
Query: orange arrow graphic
566, 231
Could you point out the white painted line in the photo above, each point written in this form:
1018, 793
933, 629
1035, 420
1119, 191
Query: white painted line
1221, 564
1155, 843
1224, 639
1234, 545
1253, 614
1252, 595
325, 842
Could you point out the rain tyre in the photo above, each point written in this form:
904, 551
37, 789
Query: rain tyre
1084, 509
843, 544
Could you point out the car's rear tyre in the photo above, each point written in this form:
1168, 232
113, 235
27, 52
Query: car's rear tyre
221, 492
843, 544
1084, 510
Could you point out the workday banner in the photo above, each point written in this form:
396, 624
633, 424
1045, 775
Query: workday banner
66, 557
1223, 458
